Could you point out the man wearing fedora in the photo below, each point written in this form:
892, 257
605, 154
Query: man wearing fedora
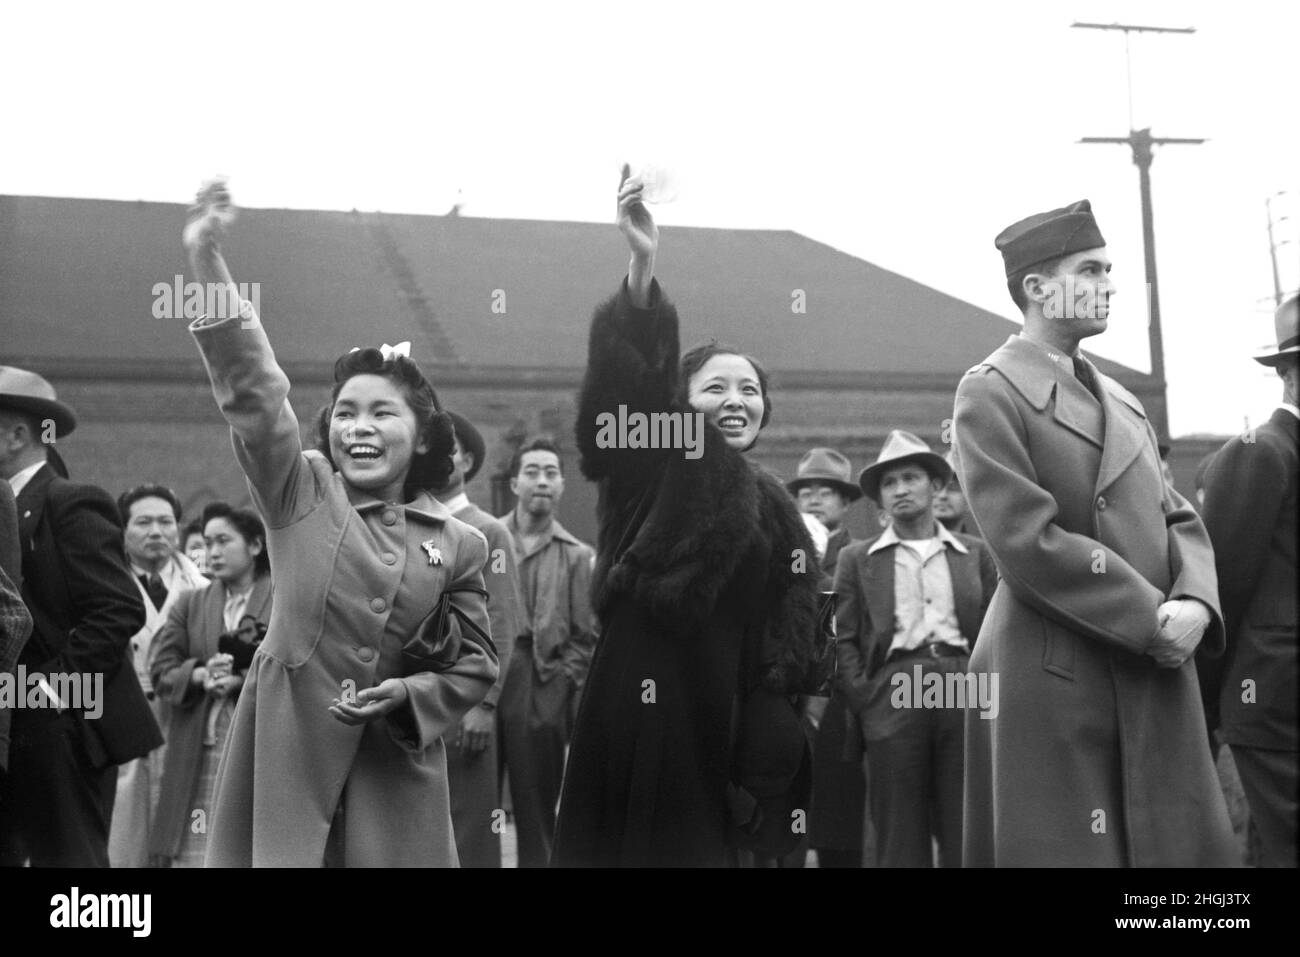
1250, 512
1098, 755
57, 800
473, 768
910, 602
824, 488
950, 504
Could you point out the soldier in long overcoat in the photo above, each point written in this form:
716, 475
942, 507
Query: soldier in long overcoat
1098, 755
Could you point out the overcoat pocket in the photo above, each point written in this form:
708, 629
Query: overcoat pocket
1058, 650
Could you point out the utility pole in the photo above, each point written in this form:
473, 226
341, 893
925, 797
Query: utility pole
1141, 142
1275, 244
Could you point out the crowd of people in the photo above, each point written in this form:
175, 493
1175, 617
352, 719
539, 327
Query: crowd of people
1036, 657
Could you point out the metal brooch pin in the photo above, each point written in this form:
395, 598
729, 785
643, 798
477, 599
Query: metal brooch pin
435, 556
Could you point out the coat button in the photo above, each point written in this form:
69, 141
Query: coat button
389, 517
1101, 503
377, 605
366, 653
388, 558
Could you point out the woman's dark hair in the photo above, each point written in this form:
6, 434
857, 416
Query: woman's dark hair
192, 528
249, 525
695, 359
434, 426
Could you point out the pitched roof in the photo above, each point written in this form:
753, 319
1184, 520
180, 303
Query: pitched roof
79, 279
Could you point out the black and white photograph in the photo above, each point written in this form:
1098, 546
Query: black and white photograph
854, 436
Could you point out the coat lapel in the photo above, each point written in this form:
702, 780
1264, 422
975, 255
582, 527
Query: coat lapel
1077, 410
259, 600
965, 599
879, 592
1126, 432
31, 503
213, 615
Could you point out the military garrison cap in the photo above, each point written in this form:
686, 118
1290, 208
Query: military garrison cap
1049, 235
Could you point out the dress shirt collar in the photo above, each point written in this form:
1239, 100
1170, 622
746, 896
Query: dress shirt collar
890, 537
167, 573
457, 502
19, 480
554, 531
1285, 405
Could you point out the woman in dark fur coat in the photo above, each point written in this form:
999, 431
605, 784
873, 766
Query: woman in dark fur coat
687, 749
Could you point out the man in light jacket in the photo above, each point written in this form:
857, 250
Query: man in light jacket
553, 653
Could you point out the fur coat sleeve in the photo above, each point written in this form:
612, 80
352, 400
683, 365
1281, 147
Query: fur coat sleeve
674, 530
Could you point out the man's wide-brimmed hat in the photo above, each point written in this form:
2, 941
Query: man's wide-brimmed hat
901, 447
825, 467
1286, 323
24, 391
471, 441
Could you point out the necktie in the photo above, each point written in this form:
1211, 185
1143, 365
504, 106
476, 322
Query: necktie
1084, 374
154, 587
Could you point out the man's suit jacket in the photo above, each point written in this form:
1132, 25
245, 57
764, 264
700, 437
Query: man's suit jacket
1098, 757
15, 620
1250, 512
864, 619
85, 607
834, 545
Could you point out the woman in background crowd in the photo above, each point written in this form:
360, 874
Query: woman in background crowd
202, 656
192, 544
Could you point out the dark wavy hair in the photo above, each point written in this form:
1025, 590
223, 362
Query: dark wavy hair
693, 360
248, 524
148, 490
428, 469
543, 443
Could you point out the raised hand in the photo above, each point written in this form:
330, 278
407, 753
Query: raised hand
207, 220
635, 221
642, 235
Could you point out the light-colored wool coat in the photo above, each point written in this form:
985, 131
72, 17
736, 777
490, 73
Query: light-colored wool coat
190, 637
353, 583
1097, 757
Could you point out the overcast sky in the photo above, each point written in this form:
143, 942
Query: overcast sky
906, 134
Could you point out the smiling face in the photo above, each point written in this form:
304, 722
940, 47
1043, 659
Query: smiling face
825, 502
726, 389
151, 534
373, 435
539, 484
907, 491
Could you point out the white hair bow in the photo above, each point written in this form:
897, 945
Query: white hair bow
392, 352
